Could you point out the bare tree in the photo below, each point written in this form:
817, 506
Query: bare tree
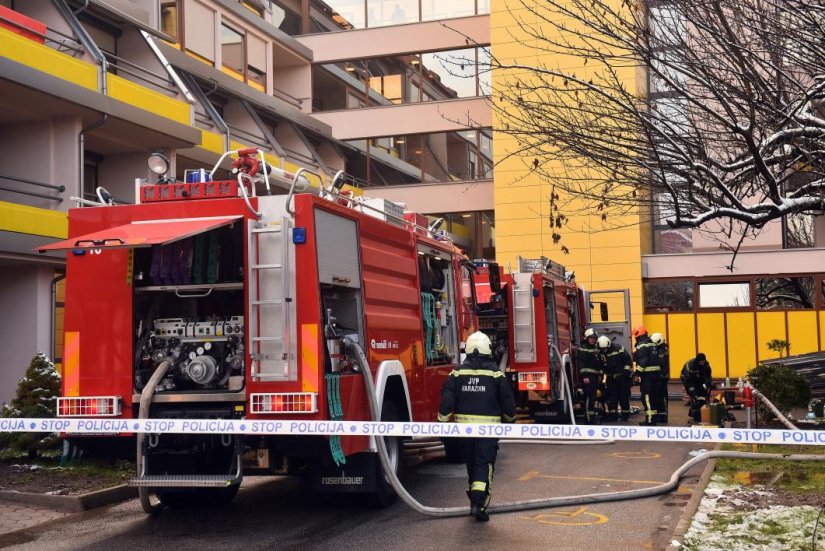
731, 109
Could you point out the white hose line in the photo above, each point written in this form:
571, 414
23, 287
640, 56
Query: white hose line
785, 421
143, 413
447, 512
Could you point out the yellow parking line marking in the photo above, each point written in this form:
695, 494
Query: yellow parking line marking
548, 517
644, 454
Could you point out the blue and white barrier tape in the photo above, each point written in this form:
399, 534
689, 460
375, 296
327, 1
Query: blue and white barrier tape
259, 427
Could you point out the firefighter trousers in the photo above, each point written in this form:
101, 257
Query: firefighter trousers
480, 456
651, 389
618, 394
590, 399
663, 400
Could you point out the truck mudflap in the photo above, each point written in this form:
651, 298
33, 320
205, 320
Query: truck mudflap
357, 475
549, 413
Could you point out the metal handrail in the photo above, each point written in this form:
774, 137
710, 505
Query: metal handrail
32, 182
298, 174
32, 194
258, 141
124, 65
76, 48
297, 102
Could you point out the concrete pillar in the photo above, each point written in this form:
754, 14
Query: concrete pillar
25, 307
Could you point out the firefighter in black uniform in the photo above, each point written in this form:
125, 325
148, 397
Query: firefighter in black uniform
648, 369
478, 392
590, 363
664, 360
617, 370
697, 379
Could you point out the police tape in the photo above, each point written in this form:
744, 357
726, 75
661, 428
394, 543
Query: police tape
261, 427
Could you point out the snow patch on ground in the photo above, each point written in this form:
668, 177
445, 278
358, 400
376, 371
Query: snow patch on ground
730, 523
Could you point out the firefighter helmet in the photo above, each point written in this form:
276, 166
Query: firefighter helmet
657, 338
639, 330
589, 333
479, 342
604, 341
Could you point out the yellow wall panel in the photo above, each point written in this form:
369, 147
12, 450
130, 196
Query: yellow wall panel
802, 332
48, 60
33, 220
711, 331
741, 348
682, 340
822, 327
656, 323
769, 326
148, 100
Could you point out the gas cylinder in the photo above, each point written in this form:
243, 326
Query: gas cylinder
717, 415
704, 413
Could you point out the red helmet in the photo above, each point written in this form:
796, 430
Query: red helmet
639, 330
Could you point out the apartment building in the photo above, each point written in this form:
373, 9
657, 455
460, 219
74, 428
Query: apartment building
387, 91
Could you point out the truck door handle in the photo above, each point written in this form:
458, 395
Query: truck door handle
100, 242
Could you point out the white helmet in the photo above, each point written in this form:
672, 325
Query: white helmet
478, 342
604, 342
590, 332
657, 338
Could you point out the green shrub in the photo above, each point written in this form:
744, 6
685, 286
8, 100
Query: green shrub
36, 396
782, 385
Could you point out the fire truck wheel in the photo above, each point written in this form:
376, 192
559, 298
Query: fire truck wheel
186, 498
384, 494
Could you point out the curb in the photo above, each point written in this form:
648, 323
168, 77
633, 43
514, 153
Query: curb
693, 504
73, 503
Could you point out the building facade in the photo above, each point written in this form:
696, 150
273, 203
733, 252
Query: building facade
394, 92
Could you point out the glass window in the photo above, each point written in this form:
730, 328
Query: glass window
348, 14
445, 9
451, 74
232, 48
668, 296
169, 17
381, 13
724, 295
785, 293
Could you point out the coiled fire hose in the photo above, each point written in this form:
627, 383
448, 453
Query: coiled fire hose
446, 512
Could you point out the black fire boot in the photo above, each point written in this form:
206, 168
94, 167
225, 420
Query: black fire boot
477, 499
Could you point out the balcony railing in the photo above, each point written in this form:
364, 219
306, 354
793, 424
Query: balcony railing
52, 38
32, 183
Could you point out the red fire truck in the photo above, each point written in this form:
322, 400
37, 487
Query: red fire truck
211, 300
535, 318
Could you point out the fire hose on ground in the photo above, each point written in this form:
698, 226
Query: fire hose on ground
446, 512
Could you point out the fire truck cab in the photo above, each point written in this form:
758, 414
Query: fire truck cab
219, 300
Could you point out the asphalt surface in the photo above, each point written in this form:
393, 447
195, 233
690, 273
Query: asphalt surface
281, 513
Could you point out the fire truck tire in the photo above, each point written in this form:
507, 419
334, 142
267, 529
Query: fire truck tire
197, 497
384, 494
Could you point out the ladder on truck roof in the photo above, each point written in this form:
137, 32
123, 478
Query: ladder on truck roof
524, 321
269, 300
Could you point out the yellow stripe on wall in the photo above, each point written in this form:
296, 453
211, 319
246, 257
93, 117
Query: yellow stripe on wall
741, 348
656, 323
711, 331
42, 58
148, 100
802, 332
682, 340
769, 326
33, 220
